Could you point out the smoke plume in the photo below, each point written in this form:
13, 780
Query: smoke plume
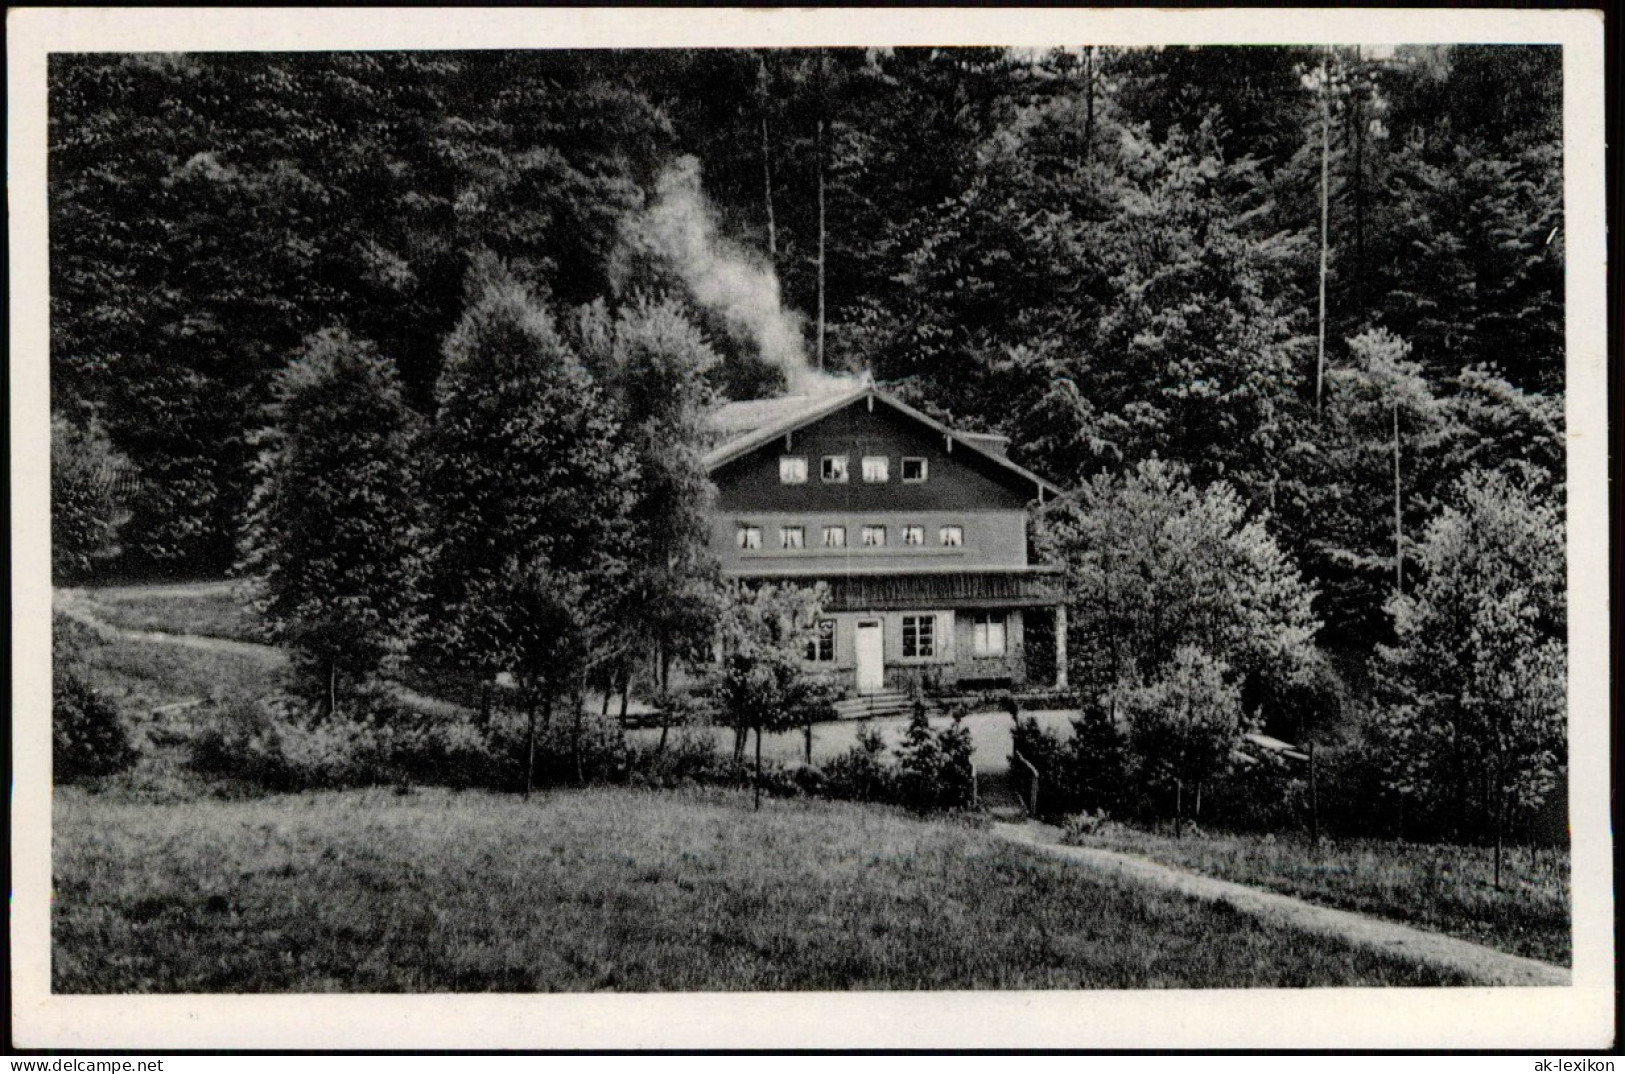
724, 277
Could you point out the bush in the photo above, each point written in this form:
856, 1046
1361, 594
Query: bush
1079, 827
1266, 795
687, 759
87, 737
861, 773
934, 768
1087, 771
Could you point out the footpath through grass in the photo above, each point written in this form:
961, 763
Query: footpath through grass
620, 890
1449, 889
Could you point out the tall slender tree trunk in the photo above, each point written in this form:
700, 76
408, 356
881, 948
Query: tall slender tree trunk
767, 193
1088, 105
823, 123
577, 704
1325, 215
764, 83
1357, 114
1399, 518
530, 742
330, 699
758, 766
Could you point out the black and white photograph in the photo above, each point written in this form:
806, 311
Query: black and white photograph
1096, 520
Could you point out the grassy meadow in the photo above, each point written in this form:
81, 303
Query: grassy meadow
613, 889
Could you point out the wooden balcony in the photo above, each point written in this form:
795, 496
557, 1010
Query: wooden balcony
856, 591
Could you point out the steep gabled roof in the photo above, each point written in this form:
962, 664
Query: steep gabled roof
754, 423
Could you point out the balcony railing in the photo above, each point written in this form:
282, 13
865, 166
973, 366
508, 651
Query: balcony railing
1031, 587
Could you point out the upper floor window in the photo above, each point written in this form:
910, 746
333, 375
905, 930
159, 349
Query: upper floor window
749, 537
874, 536
914, 535
834, 536
821, 648
913, 471
834, 468
951, 536
987, 631
919, 635
792, 469
791, 537
876, 469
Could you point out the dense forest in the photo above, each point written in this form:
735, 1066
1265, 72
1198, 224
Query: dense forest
1317, 292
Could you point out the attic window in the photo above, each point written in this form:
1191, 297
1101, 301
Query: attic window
792, 469
834, 469
876, 469
913, 471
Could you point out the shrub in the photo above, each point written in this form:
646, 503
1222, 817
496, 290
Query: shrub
1084, 772
934, 768
1267, 794
861, 773
87, 737
1077, 828
687, 758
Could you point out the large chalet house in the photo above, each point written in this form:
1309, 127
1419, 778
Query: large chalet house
919, 532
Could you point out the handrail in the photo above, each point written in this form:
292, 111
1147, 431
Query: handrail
1032, 804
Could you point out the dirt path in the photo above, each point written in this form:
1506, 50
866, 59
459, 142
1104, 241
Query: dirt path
79, 605
1482, 964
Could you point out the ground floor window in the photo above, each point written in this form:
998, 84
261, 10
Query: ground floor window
919, 635
821, 649
987, 631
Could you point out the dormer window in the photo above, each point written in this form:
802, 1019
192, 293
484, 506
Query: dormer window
749, 537
834, 469
792, 469
876, 469
914, 471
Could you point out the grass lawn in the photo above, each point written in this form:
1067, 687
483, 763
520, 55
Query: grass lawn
1448, 889
208, 609
620, 890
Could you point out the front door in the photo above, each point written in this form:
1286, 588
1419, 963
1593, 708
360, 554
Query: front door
871, 657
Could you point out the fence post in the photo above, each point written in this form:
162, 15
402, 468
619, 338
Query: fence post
1032, 802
